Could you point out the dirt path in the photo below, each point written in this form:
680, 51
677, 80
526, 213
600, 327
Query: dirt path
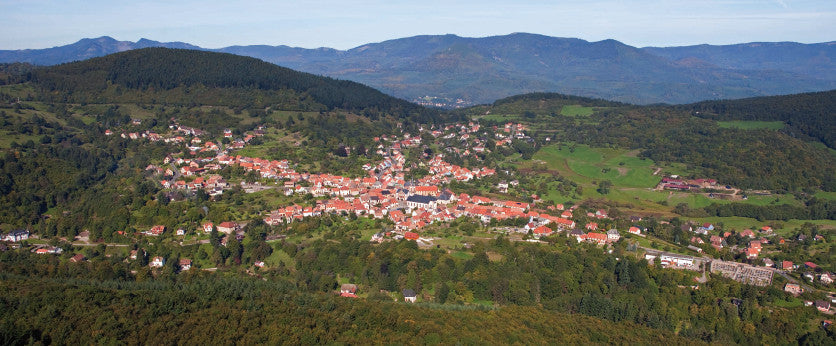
658, 169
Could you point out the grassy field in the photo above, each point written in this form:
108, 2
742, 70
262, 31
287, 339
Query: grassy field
499, 117
780, 227
576, 110
279, 256
585, 165
632, 177
826, 195
751, 124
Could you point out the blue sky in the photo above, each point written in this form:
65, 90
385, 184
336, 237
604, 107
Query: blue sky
346, 24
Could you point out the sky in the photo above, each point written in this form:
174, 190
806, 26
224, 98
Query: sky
347, 24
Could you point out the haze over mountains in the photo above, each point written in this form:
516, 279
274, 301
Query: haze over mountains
448, 68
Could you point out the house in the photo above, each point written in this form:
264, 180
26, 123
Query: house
598, 238
793, 289
634, 230
409, 295
578, 234
259, 264
826, 278
694, 248
228, 227
348, 290
613, 236
542, 231
410, 236
377, 237
156, 230
822, 305
787, 265
77, 258
180, 231
185, 264
157, 262
207, 227
17, 235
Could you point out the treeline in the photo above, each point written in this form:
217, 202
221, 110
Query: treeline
810, 115
814, 209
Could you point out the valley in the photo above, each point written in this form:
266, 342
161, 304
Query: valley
262, 193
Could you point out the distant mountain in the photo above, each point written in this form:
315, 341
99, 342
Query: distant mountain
82, 50
451, 70
816, 60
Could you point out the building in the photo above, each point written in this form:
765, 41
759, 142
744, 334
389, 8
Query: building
674, 260
156, 230
157, 262
227, 227
185, 264
409, 296
613, 236
17, 235
793, 289
348, 290
77, 258
420, 202
822, 305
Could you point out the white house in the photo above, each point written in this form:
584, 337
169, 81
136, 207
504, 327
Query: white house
157, 262
17, 235
613, 236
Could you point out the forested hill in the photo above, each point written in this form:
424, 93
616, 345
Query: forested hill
182, 76
809, 114
740, 153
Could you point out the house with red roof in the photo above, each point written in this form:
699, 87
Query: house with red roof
598, 238
227, 227
542, 231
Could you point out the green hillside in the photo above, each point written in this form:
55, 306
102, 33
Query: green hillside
183, 77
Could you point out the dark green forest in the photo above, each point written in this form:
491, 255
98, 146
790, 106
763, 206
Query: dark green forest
808, 116
196, 77
551, 285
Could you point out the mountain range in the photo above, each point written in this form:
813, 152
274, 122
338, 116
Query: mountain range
448, 70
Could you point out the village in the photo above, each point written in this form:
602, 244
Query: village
411, 205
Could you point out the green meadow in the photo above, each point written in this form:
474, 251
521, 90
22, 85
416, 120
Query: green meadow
576, 110
585, 165
632, 178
